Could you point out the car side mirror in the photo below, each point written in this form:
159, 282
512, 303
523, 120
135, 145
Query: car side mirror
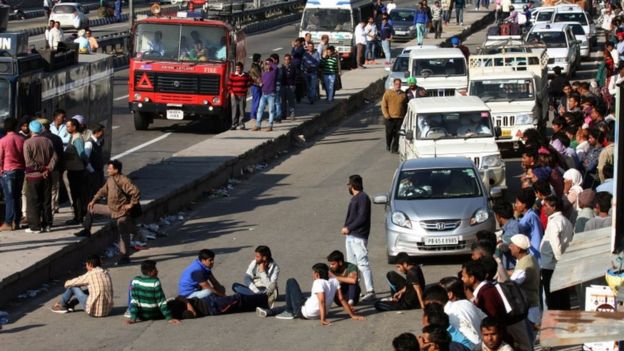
497, 131
380, 199
409, 135
496, 192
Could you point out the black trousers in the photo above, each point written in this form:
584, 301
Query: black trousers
555, 300
398, 282
78, 189
349, 292
39, 203
393, 125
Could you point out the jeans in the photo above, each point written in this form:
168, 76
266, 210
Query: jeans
357, 253
289, 100
420, 33
12, 183
311, 83
239, 288
256, 94
125, 225
238, 104
200, 294
370, 50
39, 203
459, 15
349, 292
385, 44
294, 297
266, 99
330, 84
477, 3
446, 16
78, 293
278, 103
437, 28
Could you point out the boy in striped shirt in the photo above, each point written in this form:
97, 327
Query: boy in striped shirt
148, 300
329, 68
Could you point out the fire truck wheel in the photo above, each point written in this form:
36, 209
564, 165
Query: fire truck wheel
141, 121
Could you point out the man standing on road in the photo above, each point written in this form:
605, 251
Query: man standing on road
40, 160
310, 66
269, 84
197, 279
239, 83
356, 229
121, 196
57, 142
459, 11
289, 86
393, 107
12, 166
386, 34
360, 42
255, 72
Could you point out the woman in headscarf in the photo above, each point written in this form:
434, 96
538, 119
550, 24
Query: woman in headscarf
572, 185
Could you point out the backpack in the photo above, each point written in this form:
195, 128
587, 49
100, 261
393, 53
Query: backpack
516, 305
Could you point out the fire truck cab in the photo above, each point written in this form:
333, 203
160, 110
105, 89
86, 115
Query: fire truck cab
179, 69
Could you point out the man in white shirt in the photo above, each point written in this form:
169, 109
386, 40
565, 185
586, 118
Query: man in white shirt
360, 42
323, 292
46, 34
370, 32
55, 36
557, 236
464, 315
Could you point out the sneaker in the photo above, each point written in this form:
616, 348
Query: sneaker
47, 229
127, 314
271, 298
57, 308
124, 260
32, 231
285, 315
262, 312
71, 305
368, 296
83, 233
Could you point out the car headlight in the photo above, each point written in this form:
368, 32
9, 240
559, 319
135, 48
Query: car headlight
491, 161
480, 216
524, 118
399, 218
561, 60
412, 27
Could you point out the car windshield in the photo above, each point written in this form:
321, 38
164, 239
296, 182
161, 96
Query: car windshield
402, 16
544, 16
578, 17
502, 90
448, 183
401, 64
436, 67
63, 9
453, 125
172, 42
326, 20
551, 39
4, 99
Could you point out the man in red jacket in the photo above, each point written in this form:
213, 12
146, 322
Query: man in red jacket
239, 83
12, 166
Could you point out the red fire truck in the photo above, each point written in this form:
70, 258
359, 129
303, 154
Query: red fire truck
179, 69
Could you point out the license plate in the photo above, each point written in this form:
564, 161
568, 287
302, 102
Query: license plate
400, 32
506, 133
442, 240
175, 114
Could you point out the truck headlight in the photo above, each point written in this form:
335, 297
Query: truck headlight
561, 60
480, 216
399, 218
524, 118
491, 161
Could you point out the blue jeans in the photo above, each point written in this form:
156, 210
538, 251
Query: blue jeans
278, 103
420, 33
294, 297
239, 288
330, 83
78, 293
256, 93
446, 16
266, 99
12, 183
385, 45
370, 50
459, 14
311, 83
357, 253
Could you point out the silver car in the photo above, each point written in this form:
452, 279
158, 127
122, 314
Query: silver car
436, 206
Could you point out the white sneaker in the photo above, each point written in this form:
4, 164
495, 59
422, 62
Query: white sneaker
262, 312
30, 231
127, 314
368, 296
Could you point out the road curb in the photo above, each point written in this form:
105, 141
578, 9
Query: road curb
71, 255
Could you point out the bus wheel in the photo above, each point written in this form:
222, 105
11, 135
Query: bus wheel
141, 121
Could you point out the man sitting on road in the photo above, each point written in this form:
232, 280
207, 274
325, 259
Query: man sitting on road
261, 276
347, 274
316, 306
147, 299
407, 292
197, 279
93, 291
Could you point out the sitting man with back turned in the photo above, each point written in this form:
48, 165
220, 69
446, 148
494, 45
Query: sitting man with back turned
197, 279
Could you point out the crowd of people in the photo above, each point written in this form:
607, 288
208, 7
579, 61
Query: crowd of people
54, 35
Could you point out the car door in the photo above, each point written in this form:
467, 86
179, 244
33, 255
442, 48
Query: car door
406, 138
574, 48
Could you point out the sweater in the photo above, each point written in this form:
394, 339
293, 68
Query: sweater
394, 104
12, 152
269, 80
329, 65
239, 83
147, 299
118, 191
358, 219
39, 156
557, 237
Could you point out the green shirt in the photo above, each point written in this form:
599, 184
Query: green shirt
348, 269
329, 65
147, 299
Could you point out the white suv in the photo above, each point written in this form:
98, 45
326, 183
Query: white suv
563, 49
574, 13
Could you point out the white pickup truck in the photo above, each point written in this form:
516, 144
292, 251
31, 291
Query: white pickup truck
440, 71
513, 83
453, 126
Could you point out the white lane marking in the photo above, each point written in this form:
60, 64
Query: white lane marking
115, 127
120, 98
139, 147
277, 49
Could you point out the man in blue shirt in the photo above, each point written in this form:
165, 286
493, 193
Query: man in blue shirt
197, 279
529, 222
310, 66
386, 33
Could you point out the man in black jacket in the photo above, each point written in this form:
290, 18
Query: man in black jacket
356, 230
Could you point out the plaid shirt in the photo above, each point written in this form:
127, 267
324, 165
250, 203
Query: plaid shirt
147, 299
100, 286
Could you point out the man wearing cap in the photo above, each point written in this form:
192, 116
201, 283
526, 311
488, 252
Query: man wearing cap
526, 275
413, 90
40, 160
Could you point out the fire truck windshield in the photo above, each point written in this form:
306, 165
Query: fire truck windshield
176, 42
4, 99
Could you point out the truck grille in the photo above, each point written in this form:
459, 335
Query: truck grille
202, 84
440, 225
505, 121
441, 92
